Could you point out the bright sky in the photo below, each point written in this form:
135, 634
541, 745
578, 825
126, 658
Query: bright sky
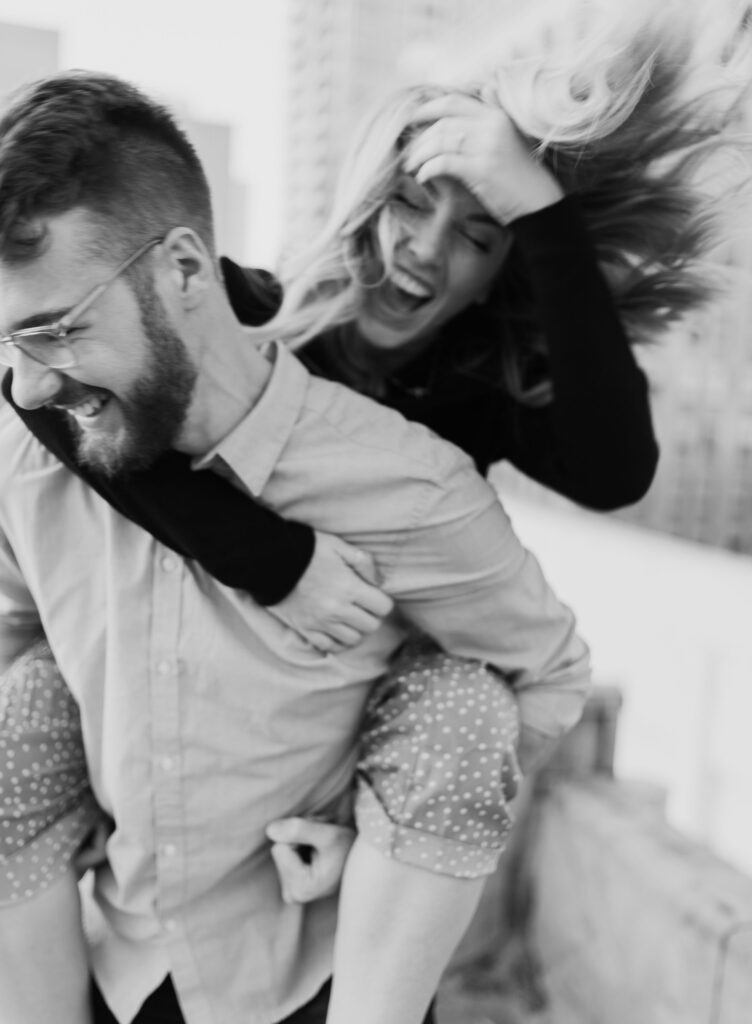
221, 60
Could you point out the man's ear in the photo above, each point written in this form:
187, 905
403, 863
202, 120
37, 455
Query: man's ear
190, 266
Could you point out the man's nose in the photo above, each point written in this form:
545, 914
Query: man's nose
33, 383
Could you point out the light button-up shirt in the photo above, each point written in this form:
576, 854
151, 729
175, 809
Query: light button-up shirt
204, 717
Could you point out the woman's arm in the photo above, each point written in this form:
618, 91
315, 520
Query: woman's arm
199, 515
317, 584
595, 442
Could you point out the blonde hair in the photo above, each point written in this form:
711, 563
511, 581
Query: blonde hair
626, 113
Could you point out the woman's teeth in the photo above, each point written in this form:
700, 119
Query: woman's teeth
408, 284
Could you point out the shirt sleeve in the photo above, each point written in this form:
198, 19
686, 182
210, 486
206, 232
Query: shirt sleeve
595, 442
463, 577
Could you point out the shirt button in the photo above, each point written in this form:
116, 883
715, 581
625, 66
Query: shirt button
163, 668
167, 764
168, 563
169, 849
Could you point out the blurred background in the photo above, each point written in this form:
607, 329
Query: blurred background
270, 92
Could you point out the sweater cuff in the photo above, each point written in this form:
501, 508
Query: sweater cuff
300, 543
558, 226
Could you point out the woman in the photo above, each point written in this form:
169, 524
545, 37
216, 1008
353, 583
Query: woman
449, 284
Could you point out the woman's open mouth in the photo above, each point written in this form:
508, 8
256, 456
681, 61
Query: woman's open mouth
404, 293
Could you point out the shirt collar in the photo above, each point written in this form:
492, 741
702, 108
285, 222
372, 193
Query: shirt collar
253, 448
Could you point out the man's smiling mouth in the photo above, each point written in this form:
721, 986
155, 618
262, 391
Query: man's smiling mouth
87, 409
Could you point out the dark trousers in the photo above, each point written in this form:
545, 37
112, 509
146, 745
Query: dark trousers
162, 1008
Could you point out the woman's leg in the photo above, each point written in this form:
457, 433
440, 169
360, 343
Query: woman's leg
46, 811
398, 926
44, 975
437, 771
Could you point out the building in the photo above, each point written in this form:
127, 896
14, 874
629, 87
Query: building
28, 53
213, 142
344, 55
25, 54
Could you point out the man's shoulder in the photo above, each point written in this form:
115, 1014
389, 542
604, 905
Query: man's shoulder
13, 435
371, 431
19, 449
353, 466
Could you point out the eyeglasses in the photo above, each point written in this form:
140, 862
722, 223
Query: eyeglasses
48, 344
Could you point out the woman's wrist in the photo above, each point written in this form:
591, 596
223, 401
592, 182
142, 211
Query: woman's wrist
541, 193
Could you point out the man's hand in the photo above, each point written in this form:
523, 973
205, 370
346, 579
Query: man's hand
93, 851
337, 601
309, 856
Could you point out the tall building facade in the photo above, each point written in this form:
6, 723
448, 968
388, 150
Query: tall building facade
345, 55
701, 382
213, 142
28, 53
25, 54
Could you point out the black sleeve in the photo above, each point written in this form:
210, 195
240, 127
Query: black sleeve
595, 442
198, 514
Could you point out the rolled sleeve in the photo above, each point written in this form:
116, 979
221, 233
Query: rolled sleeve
467, 581
19, 619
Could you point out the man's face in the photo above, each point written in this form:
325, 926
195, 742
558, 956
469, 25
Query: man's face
128, 395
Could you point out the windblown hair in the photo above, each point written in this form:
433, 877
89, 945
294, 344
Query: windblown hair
93, 142
630, 120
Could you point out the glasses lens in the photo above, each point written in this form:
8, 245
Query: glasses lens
46, 349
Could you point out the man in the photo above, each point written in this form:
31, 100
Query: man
203, 716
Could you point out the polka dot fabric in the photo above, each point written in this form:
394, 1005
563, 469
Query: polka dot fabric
438, 764
46, 806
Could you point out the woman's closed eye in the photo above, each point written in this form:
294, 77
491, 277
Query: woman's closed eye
412, 195
412, 202
478, 241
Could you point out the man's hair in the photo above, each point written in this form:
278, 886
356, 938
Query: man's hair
82, 140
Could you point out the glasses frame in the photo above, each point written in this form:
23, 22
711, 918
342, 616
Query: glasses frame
60, 328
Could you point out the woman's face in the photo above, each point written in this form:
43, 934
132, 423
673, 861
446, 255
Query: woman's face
447, 252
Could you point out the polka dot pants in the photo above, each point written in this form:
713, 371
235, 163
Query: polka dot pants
438, 763
437, 768
46, 806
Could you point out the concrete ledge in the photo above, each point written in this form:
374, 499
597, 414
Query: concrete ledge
632, 921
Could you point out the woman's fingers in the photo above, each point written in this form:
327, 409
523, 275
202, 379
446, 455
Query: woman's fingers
452, 105
478, 144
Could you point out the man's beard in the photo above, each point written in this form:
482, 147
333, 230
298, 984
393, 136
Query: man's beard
155, 408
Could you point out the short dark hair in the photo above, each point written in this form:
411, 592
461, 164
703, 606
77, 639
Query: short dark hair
92, 141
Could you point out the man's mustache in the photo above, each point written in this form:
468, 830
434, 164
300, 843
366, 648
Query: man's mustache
73, 393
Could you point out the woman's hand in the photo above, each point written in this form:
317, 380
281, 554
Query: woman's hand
477, 143
337, 602
309, 856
